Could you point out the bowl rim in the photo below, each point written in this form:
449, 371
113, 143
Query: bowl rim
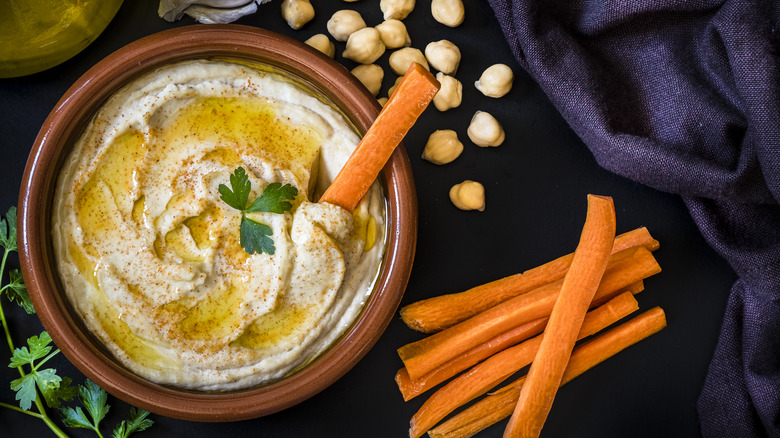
40, 175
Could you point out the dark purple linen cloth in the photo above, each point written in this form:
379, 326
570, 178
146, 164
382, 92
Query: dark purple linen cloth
684, 96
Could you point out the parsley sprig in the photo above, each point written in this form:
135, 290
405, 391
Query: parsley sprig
36, 384
254, 236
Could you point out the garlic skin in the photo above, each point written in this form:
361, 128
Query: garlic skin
364, 46
208, 11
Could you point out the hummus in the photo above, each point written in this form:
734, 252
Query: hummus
149, 254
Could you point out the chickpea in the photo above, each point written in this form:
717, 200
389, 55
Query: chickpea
394, 86
442, 147
468, 195
397, 9
297, 12
371, 76
382, 100
343, 23
401, 59
448, 12
322, 43
394, 34
484, 130
443, 56
495, 81
364, 46
450, 94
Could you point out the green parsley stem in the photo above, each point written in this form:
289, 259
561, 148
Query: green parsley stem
2, 313
53, 426
18, 409
41, 414
43, 361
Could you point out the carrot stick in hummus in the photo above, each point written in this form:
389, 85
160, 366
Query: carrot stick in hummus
409, 100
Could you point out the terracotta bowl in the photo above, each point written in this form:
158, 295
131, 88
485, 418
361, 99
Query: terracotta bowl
56, 139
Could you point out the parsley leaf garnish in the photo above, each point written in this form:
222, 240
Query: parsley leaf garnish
239, 196
94, 400
47, 380
136, 421
254, 236
65, 392
8, 230
275, 199
16, 291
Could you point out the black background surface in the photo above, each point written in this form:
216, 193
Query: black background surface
536, 184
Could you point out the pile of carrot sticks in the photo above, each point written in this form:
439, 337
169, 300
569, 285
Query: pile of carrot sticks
481, 337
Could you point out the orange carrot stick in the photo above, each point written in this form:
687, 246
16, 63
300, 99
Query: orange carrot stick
498, 367
422, 356
500, 404
579, 288
412, 388
409, 100
437, 313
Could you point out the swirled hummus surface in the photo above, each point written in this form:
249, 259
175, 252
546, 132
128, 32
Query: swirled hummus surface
149, 254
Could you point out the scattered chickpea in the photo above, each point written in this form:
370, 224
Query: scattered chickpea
322, 43
450, 94
394, 86
343, 23
297, 12
443, 56
371, 76
394, 34
484, 130
442, 147
495, 81
468, 195
401, 59
448, 12
382, 100
397, 9
364, 46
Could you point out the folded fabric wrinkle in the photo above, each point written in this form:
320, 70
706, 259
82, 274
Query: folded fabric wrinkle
684, 96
